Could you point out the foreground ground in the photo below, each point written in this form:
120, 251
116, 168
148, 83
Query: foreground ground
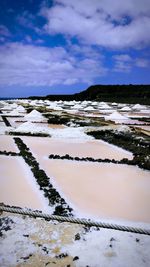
35, 242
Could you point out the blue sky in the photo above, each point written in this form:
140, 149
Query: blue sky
64, 46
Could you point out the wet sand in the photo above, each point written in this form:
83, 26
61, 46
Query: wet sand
42, 147
53, 126
7, 143
103, 190
56, 126
18, 186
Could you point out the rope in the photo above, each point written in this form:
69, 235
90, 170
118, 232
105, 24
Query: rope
75, 220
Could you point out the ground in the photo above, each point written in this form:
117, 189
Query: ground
27, 241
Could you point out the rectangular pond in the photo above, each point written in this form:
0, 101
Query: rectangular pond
102, 190
18, 186
43, 147
7, 143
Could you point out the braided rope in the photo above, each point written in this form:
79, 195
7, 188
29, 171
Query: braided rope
75, 220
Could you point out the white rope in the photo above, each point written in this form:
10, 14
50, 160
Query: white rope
75, 220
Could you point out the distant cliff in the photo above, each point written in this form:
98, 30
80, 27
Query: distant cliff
109, 93
117, 93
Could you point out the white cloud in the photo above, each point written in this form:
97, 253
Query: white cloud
42, 66
115, 24
70, 81
123, 57
116, 8
4, 31
28, 39
2, 39
28, 20
122, 66
124, 63
142, 62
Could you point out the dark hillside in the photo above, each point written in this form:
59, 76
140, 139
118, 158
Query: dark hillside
117, 93
110, 93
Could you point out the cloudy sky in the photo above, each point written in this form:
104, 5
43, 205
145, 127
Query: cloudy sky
64, 46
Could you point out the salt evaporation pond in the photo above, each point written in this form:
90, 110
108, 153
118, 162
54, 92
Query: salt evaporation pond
7, 143
18, 186
2, 124
42, 147
15, 121
102, 190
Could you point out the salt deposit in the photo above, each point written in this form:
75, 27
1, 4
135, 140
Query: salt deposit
69, 133
5, 129
77, 106
44, 241
58, 108
14, 113
138, 107
29, 127
33, 103
103, 105
125, 109
21, 109
94, 103
15, 121
6, 107
89, 108
110, 248
114, 104
116, 116
14, 105
34, 115
26, 126
2, 124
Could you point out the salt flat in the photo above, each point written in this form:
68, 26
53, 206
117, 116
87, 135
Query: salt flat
7, 143
18, 186
43, 147
103, 190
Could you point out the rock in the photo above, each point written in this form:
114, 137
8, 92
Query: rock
75, 258
77, 236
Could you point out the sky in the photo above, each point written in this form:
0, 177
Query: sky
65, 46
